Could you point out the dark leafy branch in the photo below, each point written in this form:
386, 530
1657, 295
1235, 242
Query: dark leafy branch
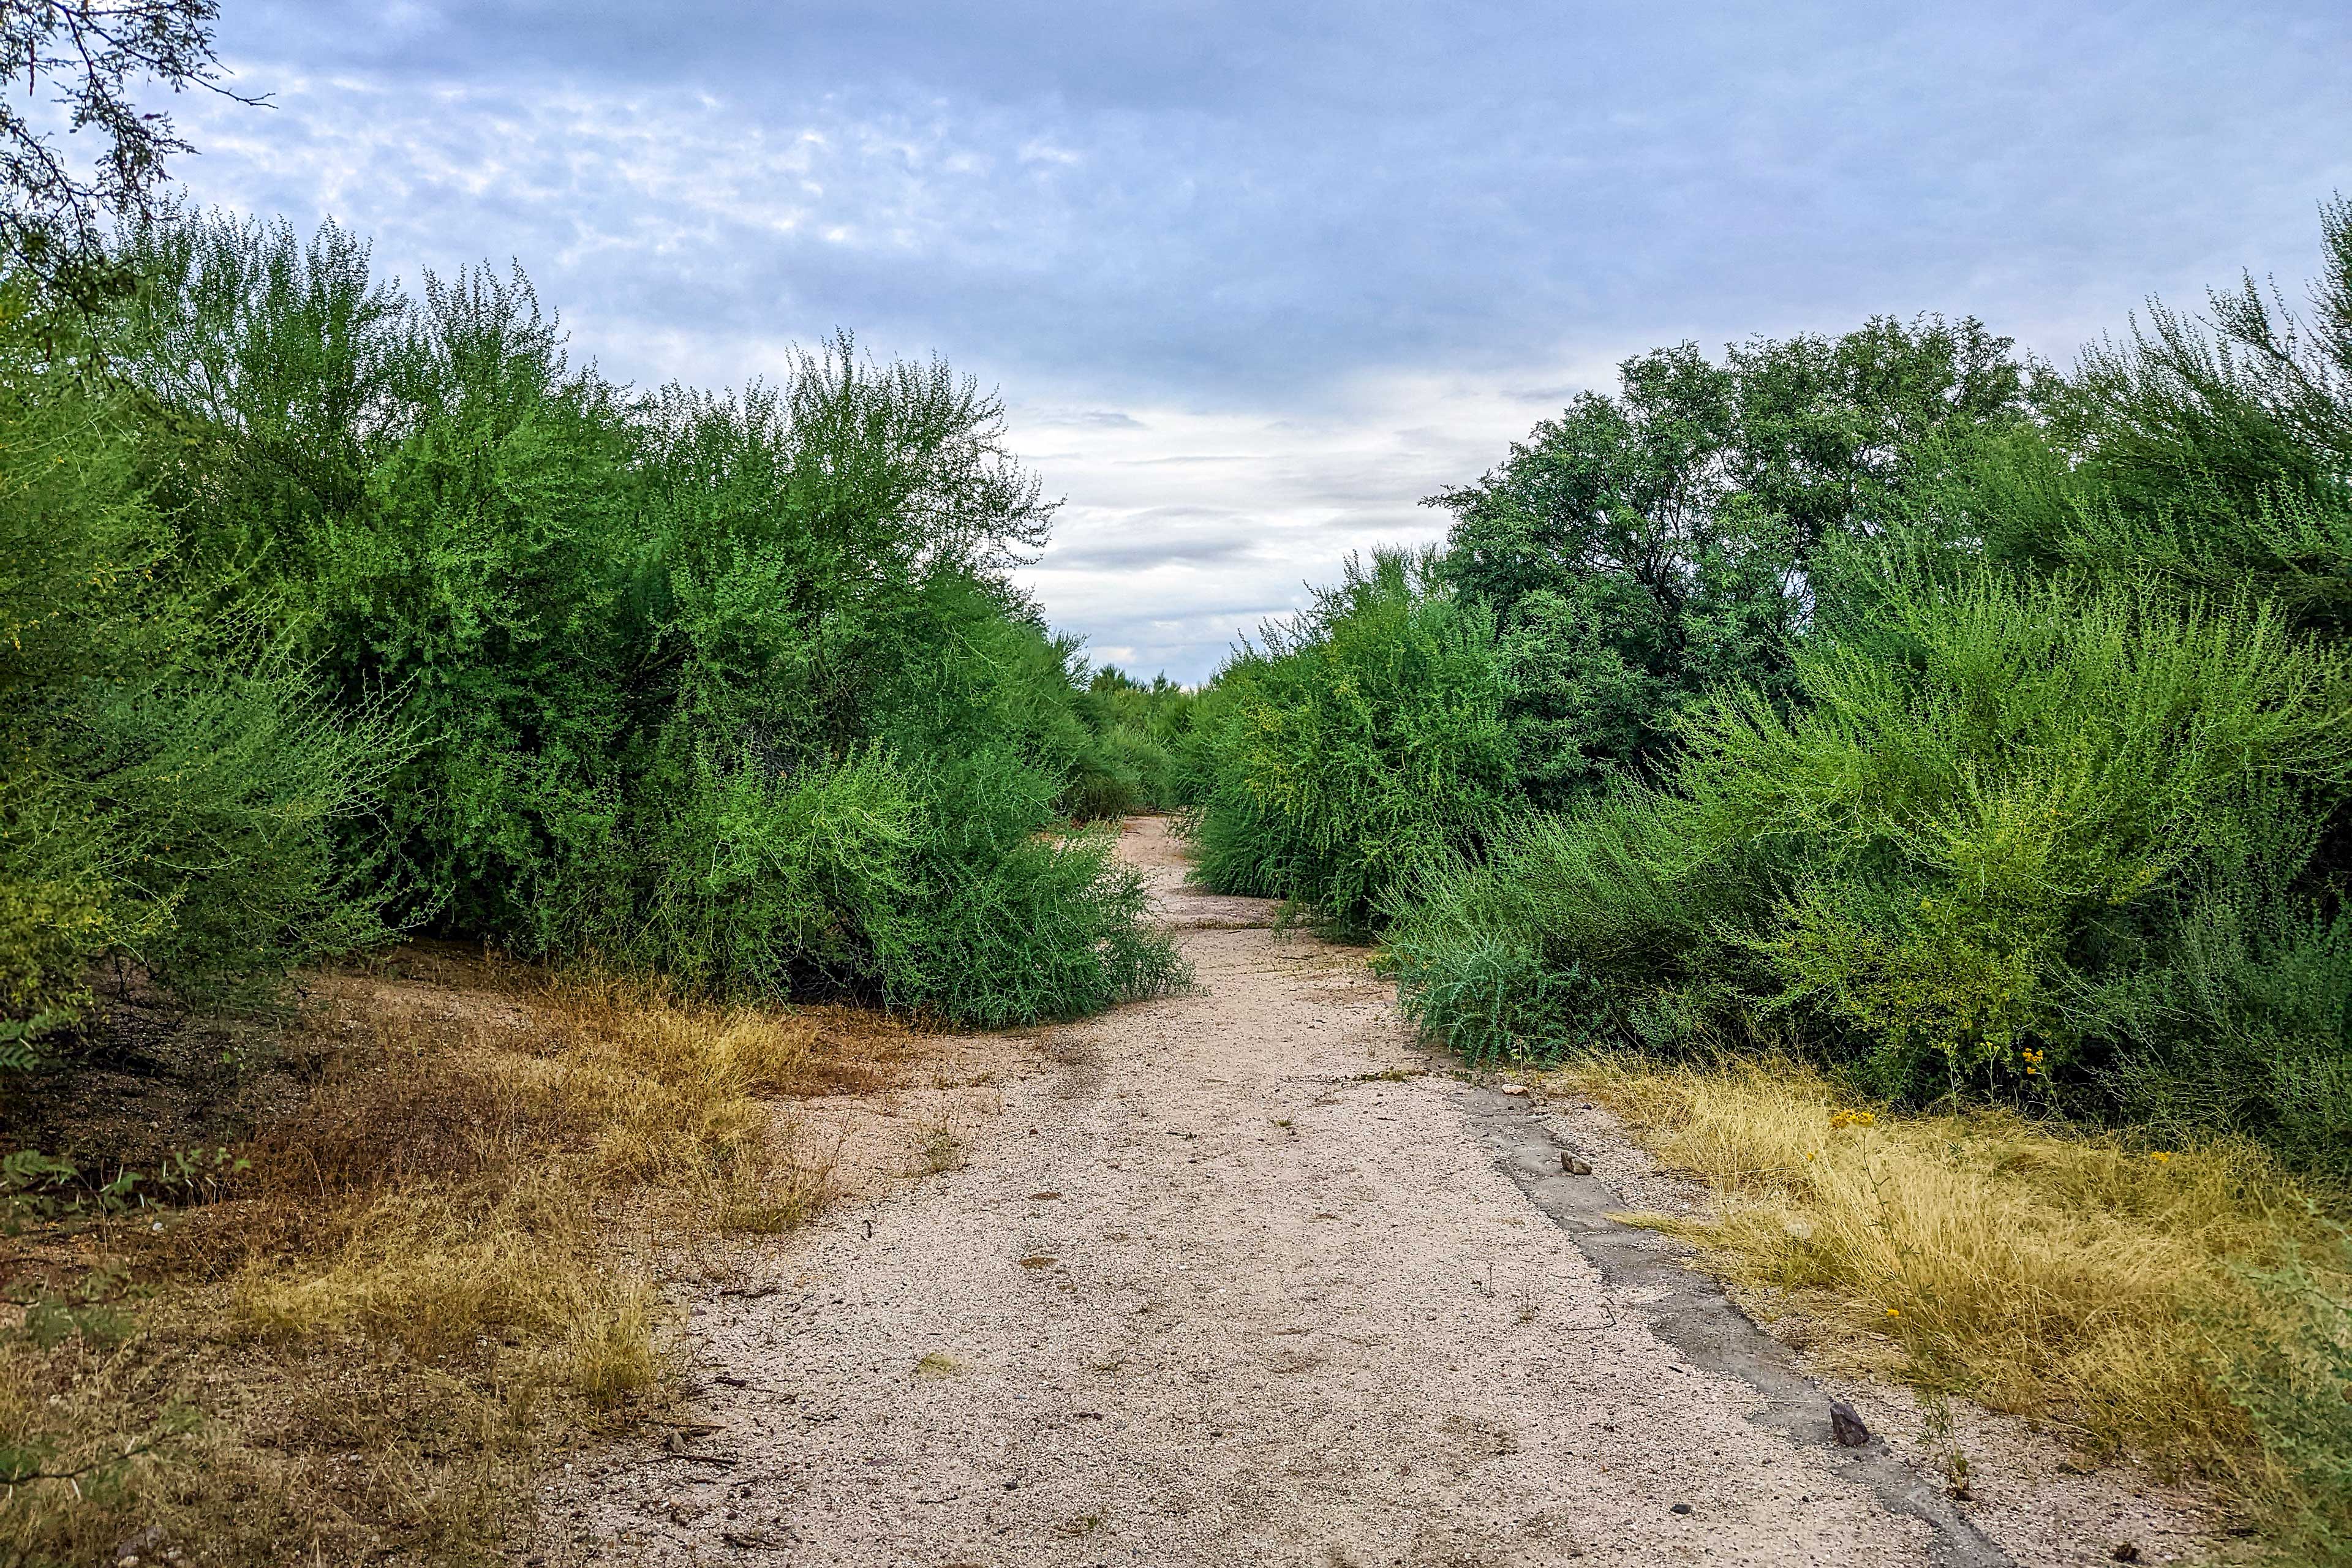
93, 57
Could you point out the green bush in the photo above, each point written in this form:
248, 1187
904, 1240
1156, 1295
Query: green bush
1593, 927
1992, 787
2289, 1375
2051, 800
1021, 925
740, 875
1104, 784
735, 688
2212, 452
2002, 846
2233, 1009
1362, 741
176, 788
1139, 731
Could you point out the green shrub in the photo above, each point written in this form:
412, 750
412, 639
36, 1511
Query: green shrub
2235, 1010
1596, 927
2289, 1373
2050, 802
1104, 784
1979, 856
2212, 452
732, 688
1992, 787
1140, 731
1019, 925
1363, 741
742, 877
176, 788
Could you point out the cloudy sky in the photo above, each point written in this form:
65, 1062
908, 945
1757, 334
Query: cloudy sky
1252, 276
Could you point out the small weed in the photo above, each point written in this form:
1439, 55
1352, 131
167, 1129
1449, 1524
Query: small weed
938, 1150
1941, 1439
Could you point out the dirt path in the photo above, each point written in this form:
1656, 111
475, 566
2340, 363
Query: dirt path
1225, 1282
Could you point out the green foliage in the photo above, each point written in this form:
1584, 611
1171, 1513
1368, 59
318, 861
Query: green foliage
1362, 741
2234, 1010
729, 687
1131, 764
1019, 926
38, 1188
745, 874
1983, 740
1643, 548
1989, 787
2214, 453
1590, 928
175, 781
1979, 855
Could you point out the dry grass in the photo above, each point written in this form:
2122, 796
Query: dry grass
442, 1259
935, 1149
2183, 1304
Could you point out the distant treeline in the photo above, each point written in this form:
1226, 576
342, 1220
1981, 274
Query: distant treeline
330, 610
1978, 729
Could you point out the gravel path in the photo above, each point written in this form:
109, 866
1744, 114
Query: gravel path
1229, 1279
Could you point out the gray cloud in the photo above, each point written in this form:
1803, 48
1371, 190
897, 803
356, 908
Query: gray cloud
1098, 419
1146, 550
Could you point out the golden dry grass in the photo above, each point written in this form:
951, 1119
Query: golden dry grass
2116, 1290
441, 1258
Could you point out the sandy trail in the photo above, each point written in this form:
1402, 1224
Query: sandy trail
1214, 1289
